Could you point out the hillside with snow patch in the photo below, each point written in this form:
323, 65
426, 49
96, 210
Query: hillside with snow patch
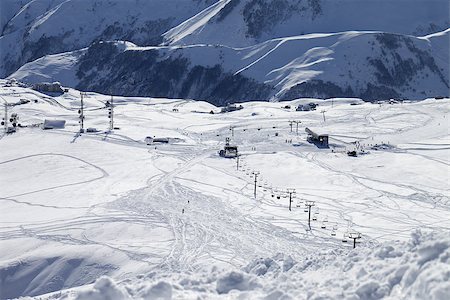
32, 29
367, 65
241, 23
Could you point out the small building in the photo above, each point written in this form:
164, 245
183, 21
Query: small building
155, 140
303, 108
230, 108
161, 140
229, 151
47, 87
54, 124
320, 140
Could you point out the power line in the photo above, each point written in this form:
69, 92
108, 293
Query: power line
5, 118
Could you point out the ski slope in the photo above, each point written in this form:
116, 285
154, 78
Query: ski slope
77, 206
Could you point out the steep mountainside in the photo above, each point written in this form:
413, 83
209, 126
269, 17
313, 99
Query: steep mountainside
32, 29
369, 65
246, 22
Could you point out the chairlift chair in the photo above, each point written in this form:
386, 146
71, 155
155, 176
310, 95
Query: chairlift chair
333, 233
344, 238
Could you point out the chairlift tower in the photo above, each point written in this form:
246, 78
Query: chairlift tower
296, 123
232, 130
81, 113
309, 204
354, 236
255, 173
291, 193
111, 113
323, 113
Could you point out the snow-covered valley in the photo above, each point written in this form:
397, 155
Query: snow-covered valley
178, 221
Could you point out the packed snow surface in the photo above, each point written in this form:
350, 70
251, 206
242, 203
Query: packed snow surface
105, 215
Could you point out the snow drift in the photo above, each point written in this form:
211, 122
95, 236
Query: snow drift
418, 269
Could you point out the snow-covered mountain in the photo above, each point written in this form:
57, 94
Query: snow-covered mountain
31, 29
231, 50
247, 22
368, 65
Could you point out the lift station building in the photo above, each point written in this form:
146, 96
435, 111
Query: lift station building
229, 151
320, 140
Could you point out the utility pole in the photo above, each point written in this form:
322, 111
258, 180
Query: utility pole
5, 119
291, 192
290, 124
232, 131
355, 236
81, 114
323, 113
237, 162
111, 113
255, 173
309, 204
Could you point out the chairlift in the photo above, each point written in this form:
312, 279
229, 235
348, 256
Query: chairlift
323, 226
344, 238
278, 197
306, 209
333, 233
314, 218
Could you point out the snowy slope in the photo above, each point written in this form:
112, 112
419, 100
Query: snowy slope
247, 22
44, 27
368, 65
76, 206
